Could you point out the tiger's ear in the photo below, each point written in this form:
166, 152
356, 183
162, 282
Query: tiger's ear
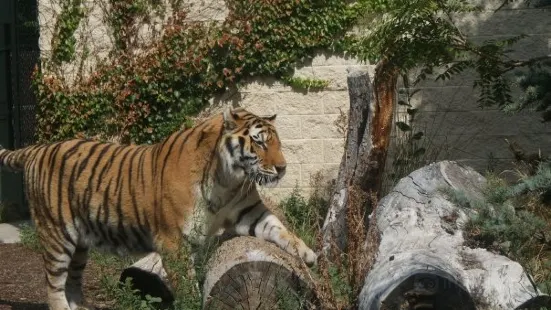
270, 119
230, 119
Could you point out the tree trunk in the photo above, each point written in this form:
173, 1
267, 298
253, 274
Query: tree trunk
248, 273
422, 262
149, 276
367, 140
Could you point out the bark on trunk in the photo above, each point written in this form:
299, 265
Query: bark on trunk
367, 140
149, 276
422, 262
248, 273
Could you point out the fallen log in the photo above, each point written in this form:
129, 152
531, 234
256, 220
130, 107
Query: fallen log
150, 278
422, 262
248, 273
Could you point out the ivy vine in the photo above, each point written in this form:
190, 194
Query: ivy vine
144, 97
64, 41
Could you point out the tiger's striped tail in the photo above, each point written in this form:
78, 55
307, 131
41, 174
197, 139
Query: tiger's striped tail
13, 160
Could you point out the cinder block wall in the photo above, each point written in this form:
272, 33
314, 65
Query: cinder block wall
448, 112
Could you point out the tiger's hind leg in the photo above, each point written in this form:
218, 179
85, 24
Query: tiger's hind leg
57, 255
73, 287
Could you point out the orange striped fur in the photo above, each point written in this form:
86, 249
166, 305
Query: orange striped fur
143, 198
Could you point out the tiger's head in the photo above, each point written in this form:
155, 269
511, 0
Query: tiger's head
250, 147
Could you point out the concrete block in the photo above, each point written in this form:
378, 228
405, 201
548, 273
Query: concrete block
278, 194
288, 127
505, 22
303, 151
259, 103
335, 75
333, 150
263, 84
294, 103
335, 102
320, 127
324, 58
479, 122
458, 147
328, 172
292, 176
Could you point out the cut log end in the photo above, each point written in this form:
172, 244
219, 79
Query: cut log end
428, 291
149, 277
257, 285
249, 273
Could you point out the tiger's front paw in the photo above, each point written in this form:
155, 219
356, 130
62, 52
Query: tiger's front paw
300, 249
308, 256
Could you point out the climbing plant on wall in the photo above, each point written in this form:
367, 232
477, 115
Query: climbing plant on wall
143, 97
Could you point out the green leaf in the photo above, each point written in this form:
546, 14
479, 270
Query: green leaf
403, 126
402, 102
419, 152
417, 135
411, 111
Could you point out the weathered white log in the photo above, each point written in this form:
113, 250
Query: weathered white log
248, 273
149, 276
422, 257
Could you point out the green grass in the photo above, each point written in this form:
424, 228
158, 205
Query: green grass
29, 237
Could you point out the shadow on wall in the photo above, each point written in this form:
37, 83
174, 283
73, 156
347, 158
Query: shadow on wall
447, 113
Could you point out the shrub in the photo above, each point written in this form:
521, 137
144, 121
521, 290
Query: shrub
514, 220
143, 93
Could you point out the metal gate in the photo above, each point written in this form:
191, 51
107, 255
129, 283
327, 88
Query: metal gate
19, 53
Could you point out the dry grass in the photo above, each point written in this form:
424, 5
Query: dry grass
338, 278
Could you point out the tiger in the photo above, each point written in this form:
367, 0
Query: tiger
142, 198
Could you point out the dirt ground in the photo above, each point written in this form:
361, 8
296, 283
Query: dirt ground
23, 283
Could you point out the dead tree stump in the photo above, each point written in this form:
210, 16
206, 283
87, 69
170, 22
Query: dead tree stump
248, 273
367, 141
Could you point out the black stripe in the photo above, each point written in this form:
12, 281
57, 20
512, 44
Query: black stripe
110, 162
246, 210
132, 188
88, 195
55, 288
67, 154
242, 145
49, 183
200, 139
78, 266
264, 227
58, 272
253, 225
71, 193
119, 190
51, 257
141, 161
87, 158
76, 276
140, 238
229, 145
